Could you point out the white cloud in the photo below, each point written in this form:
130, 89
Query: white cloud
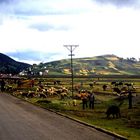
97, 29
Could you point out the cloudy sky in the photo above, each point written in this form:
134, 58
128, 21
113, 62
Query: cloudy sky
36, 31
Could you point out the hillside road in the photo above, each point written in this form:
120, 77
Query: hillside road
20, 120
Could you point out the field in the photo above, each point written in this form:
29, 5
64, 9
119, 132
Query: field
56, 94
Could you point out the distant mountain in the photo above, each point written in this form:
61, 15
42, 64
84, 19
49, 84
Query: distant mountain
8, 65
105, 64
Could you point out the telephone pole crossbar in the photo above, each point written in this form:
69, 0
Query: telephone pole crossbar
71, 48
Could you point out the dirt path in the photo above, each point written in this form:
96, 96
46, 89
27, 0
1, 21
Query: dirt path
20, 120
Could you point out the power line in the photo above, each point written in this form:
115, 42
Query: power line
71, 48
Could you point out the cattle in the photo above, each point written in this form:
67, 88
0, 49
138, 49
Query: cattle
113, 110
116, 84
117, 90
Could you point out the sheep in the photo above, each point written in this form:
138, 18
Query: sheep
74, 102
31, 94
63, 95
24, 94
58, 82
42, 95
9, 88
51, 91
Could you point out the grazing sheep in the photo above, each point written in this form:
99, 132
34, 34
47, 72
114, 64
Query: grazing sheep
77, 96
74, 102
63, 95
24, 94
57, 82
51, 91
31, 94
42, 95
9, 88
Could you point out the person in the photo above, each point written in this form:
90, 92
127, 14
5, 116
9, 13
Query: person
84, 99
104, 87
32, 82
19, 83
91, 100
40, 85
2, 85
130, 99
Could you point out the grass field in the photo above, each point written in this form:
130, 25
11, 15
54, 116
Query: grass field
129, 123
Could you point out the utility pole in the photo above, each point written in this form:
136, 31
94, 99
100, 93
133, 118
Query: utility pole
71, 48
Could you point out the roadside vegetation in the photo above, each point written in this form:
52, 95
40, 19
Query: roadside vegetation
55, 94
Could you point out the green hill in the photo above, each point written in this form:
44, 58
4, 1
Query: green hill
105, 64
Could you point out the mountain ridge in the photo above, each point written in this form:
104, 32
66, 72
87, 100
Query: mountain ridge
10, 66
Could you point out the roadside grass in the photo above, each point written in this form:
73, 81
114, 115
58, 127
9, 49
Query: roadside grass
127, 125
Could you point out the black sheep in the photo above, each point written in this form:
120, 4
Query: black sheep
113, 110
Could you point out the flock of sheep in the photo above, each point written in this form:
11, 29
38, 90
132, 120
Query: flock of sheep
30, 89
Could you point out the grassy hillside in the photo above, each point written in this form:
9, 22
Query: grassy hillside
105, 64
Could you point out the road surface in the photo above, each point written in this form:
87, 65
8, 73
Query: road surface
20, 120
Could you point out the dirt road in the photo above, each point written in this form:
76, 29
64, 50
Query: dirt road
20, 120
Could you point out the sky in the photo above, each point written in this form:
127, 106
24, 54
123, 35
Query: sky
35, 31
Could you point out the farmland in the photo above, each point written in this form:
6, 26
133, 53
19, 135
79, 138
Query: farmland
127, 125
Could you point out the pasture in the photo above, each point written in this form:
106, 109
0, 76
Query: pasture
55, 93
